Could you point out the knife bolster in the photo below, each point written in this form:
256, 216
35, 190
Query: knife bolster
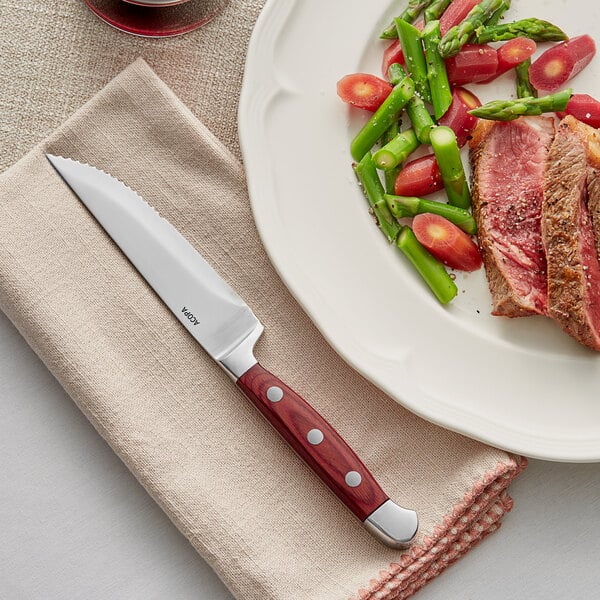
241, 358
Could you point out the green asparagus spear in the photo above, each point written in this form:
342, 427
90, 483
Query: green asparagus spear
447, 154
495, 17
382, 118
534, 29
371, 184
410, 206
436, 9
390, 32
414, 8
524, 87
390, 175
459, 35
441, 94
420, 118
417, 111
431, 269
396, 73
396, 150
410, 40
507, 110
409, 14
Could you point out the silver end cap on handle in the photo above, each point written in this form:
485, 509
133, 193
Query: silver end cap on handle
393, 525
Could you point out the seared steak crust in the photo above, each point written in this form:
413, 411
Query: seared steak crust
571, 201
507, 176
592, 139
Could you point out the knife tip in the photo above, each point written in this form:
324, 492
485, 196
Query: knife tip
53, 159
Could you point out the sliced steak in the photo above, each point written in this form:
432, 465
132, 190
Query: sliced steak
571, 202
507, 175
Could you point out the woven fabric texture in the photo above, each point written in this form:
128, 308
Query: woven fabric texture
56, 54
245, 501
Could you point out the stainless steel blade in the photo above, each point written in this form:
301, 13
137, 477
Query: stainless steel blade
207, 307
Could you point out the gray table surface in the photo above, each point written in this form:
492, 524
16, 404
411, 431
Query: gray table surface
75, 524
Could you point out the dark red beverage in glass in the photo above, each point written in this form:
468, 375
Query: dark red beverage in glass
156, 18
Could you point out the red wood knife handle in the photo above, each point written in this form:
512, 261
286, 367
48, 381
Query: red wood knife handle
315, 440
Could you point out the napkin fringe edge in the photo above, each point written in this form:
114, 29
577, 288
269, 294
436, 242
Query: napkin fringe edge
458, 532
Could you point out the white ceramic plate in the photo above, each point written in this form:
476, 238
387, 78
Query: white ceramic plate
519, 384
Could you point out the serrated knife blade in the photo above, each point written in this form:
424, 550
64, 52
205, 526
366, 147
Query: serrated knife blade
206, 306
227, 329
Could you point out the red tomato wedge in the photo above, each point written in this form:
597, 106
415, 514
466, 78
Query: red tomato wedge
447, 242
584, 108
392, 54
475, 62
363, 90
457, 116
511, 54
561, 62
419, 177
455, 13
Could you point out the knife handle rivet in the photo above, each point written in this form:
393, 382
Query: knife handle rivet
315, 437
353, 479
274, 393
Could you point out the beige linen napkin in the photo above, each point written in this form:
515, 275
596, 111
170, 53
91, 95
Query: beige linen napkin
249, 506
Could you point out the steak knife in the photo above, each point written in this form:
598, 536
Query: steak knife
227, 329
